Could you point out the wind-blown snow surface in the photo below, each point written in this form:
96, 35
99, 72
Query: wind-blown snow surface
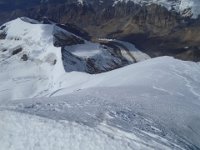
153, 104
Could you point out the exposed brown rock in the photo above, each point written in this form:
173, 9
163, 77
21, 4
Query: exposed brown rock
152, 28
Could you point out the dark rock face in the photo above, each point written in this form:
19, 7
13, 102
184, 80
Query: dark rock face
63, 38
2, 27
3, 36
152, 28
108, 59
24, 57
16, 51
75, 30
2, 33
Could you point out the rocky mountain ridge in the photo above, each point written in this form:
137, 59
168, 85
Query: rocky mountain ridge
154, 28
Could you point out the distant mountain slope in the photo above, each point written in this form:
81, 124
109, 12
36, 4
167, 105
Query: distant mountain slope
184, 7
181, 6
162, 27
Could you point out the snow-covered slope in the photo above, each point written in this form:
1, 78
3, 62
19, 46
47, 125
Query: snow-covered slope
22, 131
153, 104
33, 61
191, 6
29, 60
